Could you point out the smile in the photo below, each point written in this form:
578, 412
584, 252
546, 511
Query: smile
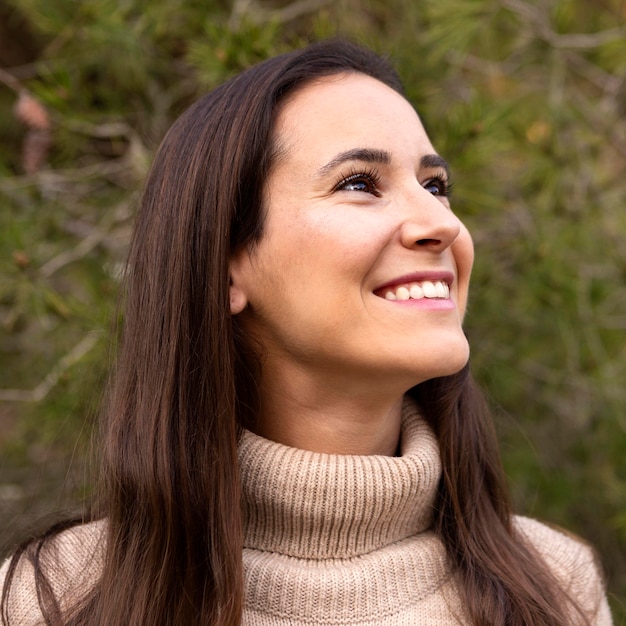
417, 290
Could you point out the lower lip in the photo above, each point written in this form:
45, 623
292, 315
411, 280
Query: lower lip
428, 304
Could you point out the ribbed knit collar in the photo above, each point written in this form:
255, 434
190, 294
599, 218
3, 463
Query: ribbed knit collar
321, 506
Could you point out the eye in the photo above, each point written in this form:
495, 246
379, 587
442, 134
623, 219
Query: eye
366, 181
438, 186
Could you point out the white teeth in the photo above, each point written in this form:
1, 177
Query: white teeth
417, 291
402, 293
430, 291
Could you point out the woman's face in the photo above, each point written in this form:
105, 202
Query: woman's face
361, 275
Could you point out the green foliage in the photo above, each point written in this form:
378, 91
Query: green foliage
222, 52
526, 101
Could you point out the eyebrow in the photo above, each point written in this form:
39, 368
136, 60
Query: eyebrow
431, 161
367, 155
370, 155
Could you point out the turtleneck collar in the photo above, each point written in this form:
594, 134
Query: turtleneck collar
321, 506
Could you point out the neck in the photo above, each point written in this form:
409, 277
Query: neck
309, 505
323, 416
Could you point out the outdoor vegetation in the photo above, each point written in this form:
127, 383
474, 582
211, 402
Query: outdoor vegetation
525, 98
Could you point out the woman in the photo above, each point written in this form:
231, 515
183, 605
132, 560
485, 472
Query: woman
293, 342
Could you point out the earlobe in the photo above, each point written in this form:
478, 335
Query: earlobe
237, 297
237, 293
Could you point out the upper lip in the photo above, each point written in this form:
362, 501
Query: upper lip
419, 277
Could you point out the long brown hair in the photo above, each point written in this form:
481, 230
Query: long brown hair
185, 385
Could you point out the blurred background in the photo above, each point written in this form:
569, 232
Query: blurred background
525, 98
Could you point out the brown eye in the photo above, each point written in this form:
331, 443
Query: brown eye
358, 183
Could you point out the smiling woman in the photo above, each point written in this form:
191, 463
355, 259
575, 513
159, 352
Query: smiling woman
293, 436
354, 210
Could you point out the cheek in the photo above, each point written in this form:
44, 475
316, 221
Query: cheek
338, 243
463, 250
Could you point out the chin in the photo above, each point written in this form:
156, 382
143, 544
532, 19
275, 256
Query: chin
448, 359
454, 368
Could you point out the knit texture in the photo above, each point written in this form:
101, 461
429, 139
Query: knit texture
334, 539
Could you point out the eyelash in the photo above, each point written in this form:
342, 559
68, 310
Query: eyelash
372, 178
444, 185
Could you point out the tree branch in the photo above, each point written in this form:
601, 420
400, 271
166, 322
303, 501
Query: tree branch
10, 81
576, 41
39, 392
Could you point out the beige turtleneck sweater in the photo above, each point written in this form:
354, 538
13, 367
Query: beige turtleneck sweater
332, 539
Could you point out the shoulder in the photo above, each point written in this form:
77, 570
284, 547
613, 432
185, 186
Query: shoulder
71, 563
574, 564
564, 551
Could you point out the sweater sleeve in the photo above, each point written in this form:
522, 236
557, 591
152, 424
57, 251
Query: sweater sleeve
71, 563
574, 564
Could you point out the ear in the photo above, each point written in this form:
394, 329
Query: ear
238, 300
236, 290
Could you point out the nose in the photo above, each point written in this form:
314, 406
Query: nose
429, 223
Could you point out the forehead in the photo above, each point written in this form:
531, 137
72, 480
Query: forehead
349, 110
